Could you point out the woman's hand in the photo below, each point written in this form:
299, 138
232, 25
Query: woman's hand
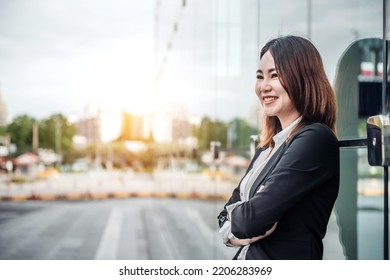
244, 242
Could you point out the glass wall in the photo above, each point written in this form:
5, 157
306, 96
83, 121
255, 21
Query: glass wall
211, 49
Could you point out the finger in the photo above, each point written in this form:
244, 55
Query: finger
261, 188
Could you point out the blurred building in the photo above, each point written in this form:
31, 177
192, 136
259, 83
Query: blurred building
3, 111
132, 127
171, 124
98, 125
89, 128
26, 164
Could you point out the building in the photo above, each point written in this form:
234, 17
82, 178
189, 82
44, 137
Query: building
90, 129
171, 124
3, 111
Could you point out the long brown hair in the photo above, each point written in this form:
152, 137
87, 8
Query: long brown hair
302, 74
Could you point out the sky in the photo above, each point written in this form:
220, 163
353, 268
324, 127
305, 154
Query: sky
58, 56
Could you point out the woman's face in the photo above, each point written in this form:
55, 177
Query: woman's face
271, 93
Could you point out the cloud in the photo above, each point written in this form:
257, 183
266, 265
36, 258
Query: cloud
58, 55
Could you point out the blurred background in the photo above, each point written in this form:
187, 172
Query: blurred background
125, 125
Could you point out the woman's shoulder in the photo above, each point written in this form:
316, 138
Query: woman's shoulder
318, 132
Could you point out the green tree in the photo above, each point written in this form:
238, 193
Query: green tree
239, 132
211, 131
56, 133
20, 131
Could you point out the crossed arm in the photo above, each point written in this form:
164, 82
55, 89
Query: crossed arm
244, 242
247, 241
311, 158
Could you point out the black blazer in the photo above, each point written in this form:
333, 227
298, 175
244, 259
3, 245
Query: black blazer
301, 186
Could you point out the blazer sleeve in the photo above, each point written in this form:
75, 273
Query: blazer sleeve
310, 159
222, 217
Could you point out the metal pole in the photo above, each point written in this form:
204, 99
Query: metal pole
386, 214
258, 123
384, 71
386, 168
309, 18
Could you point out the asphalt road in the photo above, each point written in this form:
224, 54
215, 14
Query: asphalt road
143, 228
133, 228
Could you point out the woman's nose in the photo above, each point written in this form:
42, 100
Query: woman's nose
265, 87
262, 87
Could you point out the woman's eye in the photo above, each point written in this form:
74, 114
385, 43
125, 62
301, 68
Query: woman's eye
259, 77
274, 75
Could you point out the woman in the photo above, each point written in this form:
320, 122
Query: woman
281, 208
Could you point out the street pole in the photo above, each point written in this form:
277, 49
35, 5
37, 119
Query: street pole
58, 140
309, 18
35, 140
386, 168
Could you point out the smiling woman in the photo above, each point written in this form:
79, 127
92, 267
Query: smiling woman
281, 207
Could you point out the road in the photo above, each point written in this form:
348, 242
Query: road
133, 228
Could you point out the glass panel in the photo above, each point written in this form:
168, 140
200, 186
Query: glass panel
206, 63
358, 87
369, 209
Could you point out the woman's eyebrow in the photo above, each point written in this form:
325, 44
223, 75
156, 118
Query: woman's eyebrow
269, 70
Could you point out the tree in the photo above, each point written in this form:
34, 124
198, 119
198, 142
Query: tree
211, 131
239, 133
56, 133
20, 131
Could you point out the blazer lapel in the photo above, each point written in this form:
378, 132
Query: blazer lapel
267, 169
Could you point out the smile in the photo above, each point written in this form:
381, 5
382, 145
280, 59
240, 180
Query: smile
270, 98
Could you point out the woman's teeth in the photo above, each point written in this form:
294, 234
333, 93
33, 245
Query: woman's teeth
270, 98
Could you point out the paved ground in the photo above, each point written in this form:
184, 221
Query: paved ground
133, 216
135, 228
